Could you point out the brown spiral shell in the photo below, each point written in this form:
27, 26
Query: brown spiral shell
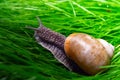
87, 52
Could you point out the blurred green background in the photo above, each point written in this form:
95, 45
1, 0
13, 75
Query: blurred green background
21, 58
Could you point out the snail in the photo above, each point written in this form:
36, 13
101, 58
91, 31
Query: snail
78, 52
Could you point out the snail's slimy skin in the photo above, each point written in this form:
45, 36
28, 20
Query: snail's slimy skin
54, 42
87, 52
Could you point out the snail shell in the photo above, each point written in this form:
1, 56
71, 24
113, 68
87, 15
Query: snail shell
77, 52
89, 53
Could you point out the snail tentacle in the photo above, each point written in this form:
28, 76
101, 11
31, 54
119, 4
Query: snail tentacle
39, 21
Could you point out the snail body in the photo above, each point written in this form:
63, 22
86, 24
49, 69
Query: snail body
77, 52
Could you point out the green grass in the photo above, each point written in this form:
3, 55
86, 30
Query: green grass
21, 58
